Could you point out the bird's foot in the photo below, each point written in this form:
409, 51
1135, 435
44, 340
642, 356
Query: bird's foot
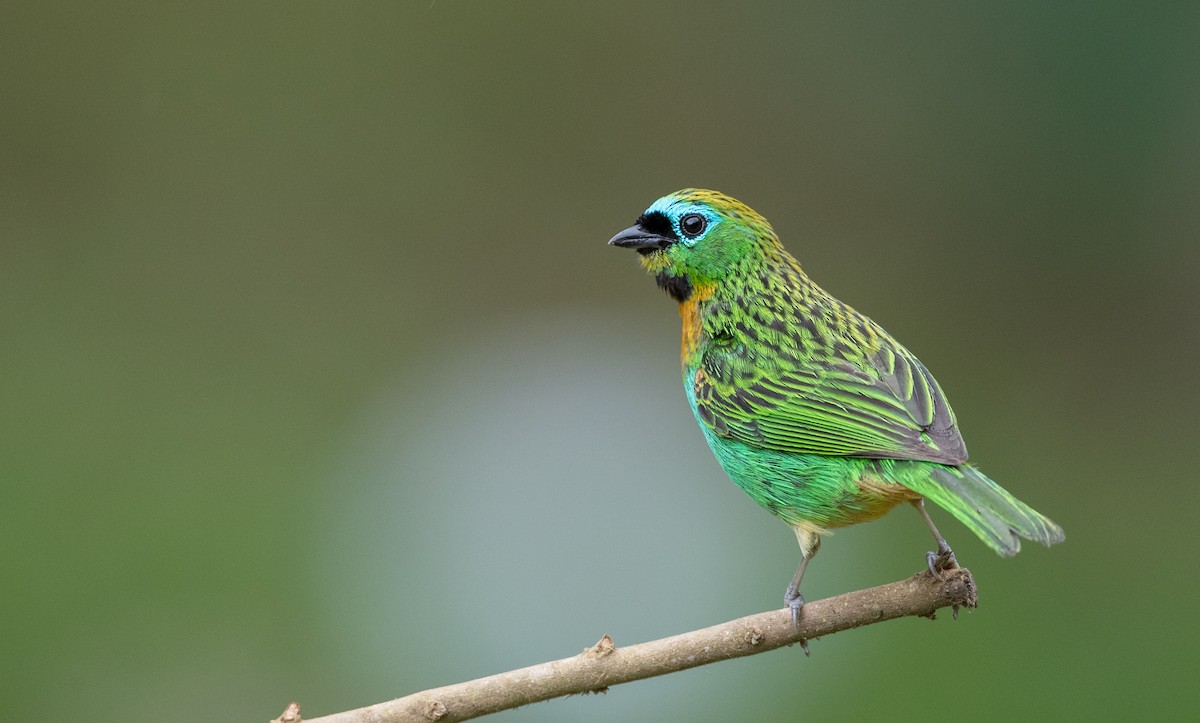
794, 600
941, 561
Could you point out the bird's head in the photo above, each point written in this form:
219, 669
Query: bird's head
694, 238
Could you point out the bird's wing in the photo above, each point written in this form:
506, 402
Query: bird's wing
886, 406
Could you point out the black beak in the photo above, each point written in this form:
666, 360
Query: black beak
639, 239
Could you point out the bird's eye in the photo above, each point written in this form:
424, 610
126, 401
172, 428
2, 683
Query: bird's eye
692, 225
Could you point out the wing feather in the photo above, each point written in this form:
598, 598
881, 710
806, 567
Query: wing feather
887, 406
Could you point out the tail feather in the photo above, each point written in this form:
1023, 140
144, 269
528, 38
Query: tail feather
998, 518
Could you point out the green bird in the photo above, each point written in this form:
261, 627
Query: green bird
809, 406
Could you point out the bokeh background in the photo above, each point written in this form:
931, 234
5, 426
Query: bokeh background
320, 383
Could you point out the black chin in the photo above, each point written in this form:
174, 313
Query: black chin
677, 287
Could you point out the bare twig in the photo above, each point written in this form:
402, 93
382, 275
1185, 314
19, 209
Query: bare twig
604, 664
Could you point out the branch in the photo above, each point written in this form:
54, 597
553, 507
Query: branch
603, 665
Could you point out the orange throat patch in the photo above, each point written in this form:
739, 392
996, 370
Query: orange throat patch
693, 326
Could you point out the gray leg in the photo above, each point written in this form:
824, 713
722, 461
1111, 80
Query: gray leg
792, 598
809, 544
943, 559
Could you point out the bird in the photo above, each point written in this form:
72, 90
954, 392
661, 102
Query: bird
809, 406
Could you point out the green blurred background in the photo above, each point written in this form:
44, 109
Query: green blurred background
320, 383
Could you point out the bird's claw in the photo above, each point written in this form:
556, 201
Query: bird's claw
940, 561
795, 601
